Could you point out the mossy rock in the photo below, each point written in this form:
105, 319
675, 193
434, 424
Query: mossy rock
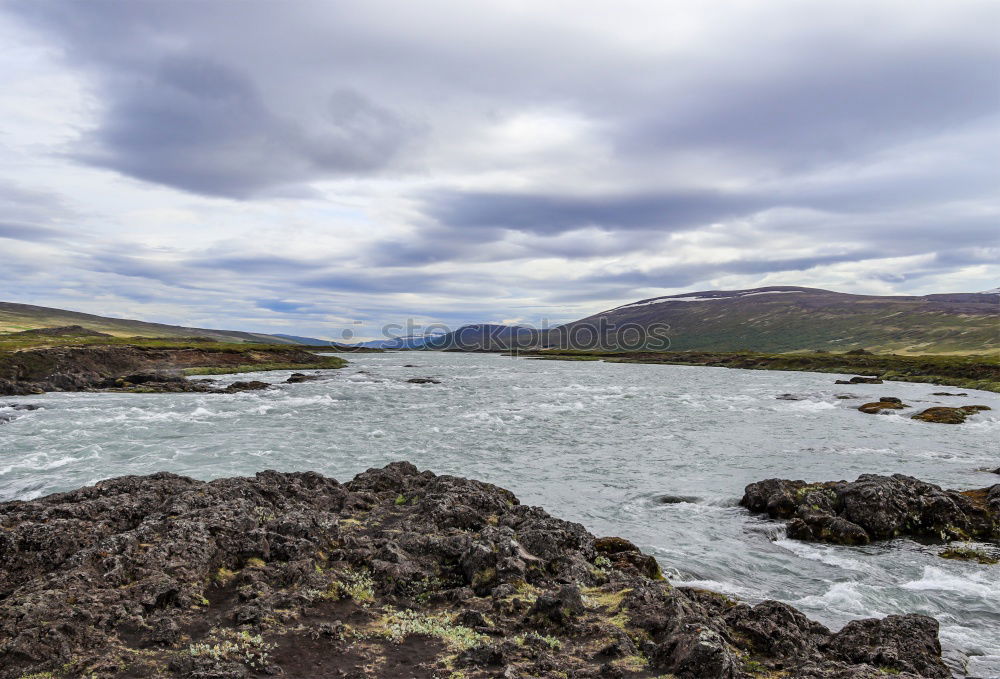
948, 415
879, 406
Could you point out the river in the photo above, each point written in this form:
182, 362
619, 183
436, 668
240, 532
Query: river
593, 442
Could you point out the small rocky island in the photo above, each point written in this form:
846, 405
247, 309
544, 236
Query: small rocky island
877, 508
397, 573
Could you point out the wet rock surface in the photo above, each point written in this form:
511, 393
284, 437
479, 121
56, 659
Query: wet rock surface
860, 380
423, 380
253, 385
876, 508
946, 415
397, 573
297, 378
884, 403
10, 411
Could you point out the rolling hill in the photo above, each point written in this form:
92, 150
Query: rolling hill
787, 318
21, 317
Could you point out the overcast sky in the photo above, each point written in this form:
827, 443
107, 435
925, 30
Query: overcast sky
310, 167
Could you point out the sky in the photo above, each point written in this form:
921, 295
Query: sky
326, 168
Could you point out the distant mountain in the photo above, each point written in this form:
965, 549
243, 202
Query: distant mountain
482, 337
787, 318
20, 317
408, 342
310, 341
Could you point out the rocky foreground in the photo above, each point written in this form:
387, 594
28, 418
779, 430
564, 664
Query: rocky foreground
877, 508
397, 573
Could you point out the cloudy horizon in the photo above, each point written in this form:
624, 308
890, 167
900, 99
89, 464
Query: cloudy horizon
312, 167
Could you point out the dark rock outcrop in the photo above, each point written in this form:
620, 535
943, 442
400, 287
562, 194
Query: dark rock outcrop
947, 393
253, 385
14, 408
423, 380
398, 573
876, 508
297, 378
676, 499
884, 403
143, 368
153, 382
860, 380
946, 415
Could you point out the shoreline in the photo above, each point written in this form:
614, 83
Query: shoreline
407, 573
143, 366
979, 372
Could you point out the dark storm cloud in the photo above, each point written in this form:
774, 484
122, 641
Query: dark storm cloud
199, 125
257, 264
30, 232
283, 307
822, 110
177, 114
547, 214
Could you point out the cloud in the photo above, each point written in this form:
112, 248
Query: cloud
315, 163
28, 232
177, 115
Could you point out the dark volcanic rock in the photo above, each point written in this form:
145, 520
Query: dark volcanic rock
253, 385
20, 406
15, 407
947, 393
296, 378
423, 380
860, 380
885, 403
901, 642
412, 574
676, 499
876, 508
946, 415
155, 383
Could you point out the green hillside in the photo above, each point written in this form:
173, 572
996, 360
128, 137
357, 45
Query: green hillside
21, 317
787, 319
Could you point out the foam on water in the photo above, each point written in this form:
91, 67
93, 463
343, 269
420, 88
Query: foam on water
592, 442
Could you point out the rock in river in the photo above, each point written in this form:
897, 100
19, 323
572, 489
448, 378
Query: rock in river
946, 415
413, 574
253, 385
297, 378
860, 380
10, 416
876, 508
884, 403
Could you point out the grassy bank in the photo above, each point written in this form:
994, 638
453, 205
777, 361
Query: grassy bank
37, 364
966, 372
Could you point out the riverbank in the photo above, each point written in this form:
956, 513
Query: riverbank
83, 366
397, 573
966, 372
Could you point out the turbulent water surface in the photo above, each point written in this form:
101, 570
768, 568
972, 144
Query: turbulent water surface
593, 442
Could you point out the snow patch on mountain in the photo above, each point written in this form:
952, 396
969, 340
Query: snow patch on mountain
713, 298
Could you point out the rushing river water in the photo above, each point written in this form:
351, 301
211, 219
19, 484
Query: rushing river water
593, 442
